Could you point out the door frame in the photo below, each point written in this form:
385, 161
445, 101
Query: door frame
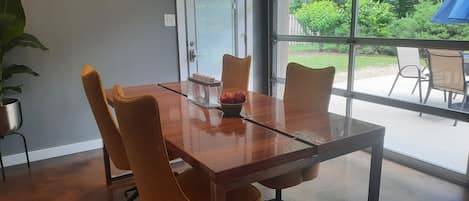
243, 33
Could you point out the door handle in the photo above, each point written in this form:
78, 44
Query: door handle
192, 55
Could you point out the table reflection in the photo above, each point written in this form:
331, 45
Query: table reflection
291, 118
220, 143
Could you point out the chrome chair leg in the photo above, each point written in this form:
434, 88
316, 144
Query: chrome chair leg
463, 105
420, 91
133, 196
128, 191
426, 97
393, 84
415, 87
107, 166
278, 195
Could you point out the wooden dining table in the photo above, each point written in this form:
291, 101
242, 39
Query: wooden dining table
270, 138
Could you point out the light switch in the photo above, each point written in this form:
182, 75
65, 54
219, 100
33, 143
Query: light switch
169, 20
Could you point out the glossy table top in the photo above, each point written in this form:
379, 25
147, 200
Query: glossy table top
324, 130
179, 87
224, 147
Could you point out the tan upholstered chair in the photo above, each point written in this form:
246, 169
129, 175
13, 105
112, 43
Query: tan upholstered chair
106, 123
310, 88
140, 126
235, 73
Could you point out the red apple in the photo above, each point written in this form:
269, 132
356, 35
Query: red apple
239, 97
227, 97
223, 99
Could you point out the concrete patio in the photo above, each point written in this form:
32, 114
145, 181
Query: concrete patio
428, 138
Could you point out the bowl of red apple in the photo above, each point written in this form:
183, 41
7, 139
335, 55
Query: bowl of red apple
232, 103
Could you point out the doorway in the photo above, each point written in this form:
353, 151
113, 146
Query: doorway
208, 29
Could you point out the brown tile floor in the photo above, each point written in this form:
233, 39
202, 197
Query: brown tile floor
81, 177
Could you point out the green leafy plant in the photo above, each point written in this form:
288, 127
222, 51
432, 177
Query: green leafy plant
12, 23
319, 17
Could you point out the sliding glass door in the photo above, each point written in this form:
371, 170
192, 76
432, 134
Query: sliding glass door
390, 71
211, 29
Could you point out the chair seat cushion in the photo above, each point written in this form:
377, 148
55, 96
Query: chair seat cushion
196, 186
292, 178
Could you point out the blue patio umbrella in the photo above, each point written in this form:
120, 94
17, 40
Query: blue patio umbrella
452, 11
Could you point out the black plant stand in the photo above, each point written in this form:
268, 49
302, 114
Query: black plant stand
25, 150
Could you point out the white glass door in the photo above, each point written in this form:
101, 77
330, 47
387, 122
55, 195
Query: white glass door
212, 30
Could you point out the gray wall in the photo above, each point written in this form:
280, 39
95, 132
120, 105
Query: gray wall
124, 39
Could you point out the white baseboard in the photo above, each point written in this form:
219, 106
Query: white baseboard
53, 152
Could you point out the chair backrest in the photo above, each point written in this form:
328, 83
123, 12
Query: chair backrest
140, 126
408, 57
235, 73
309, 87
106, 123
447, 70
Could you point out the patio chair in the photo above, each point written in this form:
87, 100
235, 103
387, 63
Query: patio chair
447, 74
409, 67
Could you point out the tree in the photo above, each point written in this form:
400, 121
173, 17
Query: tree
319, 17
296, 4
402, 8
419, 25
373, 20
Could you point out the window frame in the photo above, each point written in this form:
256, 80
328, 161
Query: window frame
354, 41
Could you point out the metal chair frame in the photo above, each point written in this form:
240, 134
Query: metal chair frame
132, 193
420, 77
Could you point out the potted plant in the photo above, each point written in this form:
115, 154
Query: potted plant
12, 23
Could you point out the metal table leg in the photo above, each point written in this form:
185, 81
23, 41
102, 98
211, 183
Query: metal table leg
217, 192
375, 171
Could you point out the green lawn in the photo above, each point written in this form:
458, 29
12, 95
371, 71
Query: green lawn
308, 55
340, 61
315, 47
